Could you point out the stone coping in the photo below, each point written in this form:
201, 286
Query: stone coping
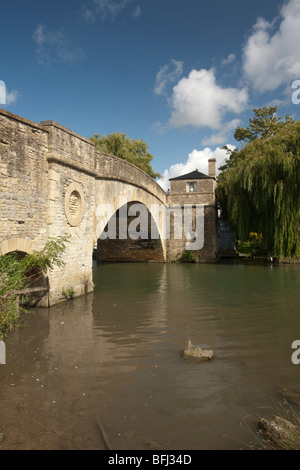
23, 120
68, 131
137, 170
57, 158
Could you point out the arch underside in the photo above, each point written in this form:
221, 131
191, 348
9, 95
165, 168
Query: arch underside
114, 199
128, 237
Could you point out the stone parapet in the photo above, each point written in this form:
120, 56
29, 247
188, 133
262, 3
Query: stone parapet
71, 147
112, 167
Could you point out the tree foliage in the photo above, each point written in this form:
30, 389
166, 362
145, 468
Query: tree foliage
258, 187
264, 124
133, 151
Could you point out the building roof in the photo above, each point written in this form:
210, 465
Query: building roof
194, 175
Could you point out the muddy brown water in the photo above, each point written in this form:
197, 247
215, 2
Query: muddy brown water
113, 359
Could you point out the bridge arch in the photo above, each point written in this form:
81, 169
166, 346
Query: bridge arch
16, 244
115, 196
37, 283
119, 183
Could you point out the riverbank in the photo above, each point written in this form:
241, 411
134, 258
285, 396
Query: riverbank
282, 431
289, 261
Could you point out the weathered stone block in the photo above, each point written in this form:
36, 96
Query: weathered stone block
196, 353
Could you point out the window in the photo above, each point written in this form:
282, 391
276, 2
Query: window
191, 187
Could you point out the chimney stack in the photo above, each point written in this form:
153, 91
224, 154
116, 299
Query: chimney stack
212, 167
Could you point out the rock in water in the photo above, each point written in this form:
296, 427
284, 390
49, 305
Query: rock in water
196, 353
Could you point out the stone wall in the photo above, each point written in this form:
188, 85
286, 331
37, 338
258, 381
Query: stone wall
70, 146
205, 192
42, 167
53, 182
23, 183
65, 182
71, 178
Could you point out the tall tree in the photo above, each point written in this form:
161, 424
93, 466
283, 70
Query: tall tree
133, 151
258, 188
264, 124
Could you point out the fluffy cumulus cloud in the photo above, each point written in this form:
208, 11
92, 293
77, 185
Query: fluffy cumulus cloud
197, 159
271, 58
270, 61
200, 101
54, 46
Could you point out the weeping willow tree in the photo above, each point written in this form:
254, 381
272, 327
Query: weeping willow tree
258, 187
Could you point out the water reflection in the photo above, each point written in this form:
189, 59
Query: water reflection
115, 355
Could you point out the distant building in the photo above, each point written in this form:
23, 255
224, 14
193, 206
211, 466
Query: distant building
195, 189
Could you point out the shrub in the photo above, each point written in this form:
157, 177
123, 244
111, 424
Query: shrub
14, 277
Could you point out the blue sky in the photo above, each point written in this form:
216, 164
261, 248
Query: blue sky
180, 74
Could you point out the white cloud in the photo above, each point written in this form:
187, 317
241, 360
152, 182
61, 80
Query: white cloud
167, 75
219, 138
106, 8
54, 46
11, 97
229, 59
197, 159
137, 11
199, 101
271, 60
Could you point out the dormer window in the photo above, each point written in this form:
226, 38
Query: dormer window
191, 187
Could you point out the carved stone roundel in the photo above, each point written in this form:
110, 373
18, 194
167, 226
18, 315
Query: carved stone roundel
74, 204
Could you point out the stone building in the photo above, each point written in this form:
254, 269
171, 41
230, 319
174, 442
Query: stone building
196, 189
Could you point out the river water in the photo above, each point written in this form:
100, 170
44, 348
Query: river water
112, 360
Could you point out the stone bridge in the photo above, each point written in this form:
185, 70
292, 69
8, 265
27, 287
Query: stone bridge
54, 182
